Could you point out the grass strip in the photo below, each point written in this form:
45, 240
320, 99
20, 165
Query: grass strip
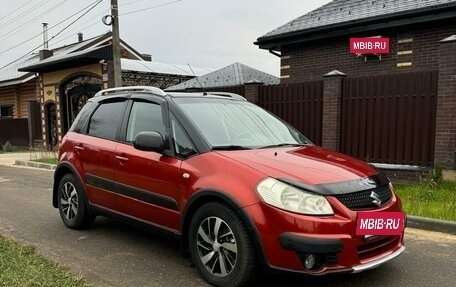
21, 266
48, 160
429, 199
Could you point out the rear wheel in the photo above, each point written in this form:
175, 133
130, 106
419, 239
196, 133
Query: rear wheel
221, 246
72, 203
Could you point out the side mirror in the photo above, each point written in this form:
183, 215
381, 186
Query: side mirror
149, 141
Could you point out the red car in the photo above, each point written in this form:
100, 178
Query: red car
240, 187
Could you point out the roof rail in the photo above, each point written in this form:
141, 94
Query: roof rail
153, 90
228, 95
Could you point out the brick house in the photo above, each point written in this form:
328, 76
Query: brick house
422, 56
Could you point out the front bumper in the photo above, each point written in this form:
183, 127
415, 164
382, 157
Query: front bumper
287, 238
378, 262
322, 246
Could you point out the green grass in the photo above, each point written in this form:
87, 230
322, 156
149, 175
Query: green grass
429, 199
22, 266
49, 160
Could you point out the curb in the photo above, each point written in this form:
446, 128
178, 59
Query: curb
431, 224
35, 164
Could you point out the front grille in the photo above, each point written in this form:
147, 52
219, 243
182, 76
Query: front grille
363, 199
379, 246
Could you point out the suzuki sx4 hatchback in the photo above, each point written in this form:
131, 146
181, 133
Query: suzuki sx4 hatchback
238, 186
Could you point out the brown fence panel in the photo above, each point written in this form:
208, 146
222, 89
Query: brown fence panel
15, 131
390, 118
298, 104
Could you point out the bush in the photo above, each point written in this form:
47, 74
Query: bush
7, 146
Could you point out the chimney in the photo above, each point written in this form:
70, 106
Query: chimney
45, 36
45, 53
80, 37
147, 57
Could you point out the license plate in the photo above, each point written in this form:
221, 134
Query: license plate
380, 223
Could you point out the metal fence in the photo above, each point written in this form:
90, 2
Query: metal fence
390, 118
15, 131
299, 104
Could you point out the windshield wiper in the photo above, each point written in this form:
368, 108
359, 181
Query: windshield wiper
284, 144
229, 147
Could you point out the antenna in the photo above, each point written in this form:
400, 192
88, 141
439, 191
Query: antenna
196, 78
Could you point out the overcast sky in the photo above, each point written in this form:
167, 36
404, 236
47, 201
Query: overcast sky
204, 33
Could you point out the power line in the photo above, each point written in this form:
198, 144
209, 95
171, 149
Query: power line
25, 25
23, 5
92, 23
152, 7
39, 34
97, 2
83, 14
94, 4
22, 14
106, 11
131, 2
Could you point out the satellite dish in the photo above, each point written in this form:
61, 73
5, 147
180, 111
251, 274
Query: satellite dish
107, 20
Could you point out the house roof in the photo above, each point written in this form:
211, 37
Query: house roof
11, 74
236, 74
71, 60
162, 68
345, 13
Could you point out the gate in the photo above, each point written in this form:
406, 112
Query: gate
390, 118
298, 104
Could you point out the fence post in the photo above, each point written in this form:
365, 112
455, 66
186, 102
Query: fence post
445, 124
251, 91
332, 94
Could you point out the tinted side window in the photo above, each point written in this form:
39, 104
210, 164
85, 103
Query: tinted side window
106, 120
145, 117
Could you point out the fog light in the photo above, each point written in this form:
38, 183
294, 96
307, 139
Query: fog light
309, 261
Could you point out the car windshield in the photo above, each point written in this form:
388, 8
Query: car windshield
228, 124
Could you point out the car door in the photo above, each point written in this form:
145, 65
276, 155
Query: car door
96, 148
147, 181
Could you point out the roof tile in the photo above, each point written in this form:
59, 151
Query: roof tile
340, 11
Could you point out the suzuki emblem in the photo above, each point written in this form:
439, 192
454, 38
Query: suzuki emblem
376, 200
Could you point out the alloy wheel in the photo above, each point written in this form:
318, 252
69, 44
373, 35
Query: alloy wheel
69, 201
217, 247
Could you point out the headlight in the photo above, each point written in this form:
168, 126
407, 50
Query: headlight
285, 196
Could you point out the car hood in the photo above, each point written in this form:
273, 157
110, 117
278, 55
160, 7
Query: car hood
310, 167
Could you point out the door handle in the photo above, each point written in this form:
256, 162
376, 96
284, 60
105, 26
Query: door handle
121, 159
78, 149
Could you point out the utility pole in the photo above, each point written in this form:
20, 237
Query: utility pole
116, 43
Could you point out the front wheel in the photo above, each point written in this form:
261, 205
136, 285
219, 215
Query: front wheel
221, 246
72, 203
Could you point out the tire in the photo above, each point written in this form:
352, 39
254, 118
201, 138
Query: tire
72, 203
226, 257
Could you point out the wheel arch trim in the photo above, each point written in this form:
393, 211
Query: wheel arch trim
59, 173
213, 195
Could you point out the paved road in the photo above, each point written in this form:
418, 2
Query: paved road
114, 254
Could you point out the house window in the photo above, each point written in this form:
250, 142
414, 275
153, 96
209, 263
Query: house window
6, 111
